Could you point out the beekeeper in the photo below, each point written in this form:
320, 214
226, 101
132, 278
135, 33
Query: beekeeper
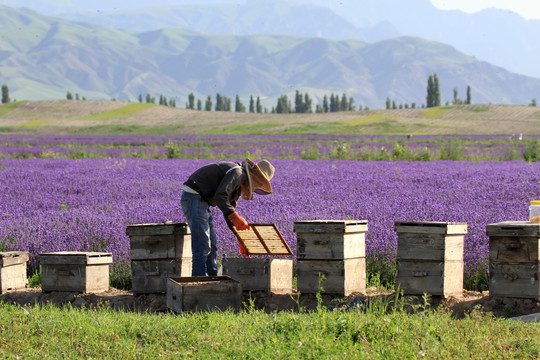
220, 184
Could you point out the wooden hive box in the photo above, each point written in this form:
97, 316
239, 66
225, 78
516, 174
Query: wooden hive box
430, 257
330, 239
271, 275
203, 293
75, 271
158, 251
514, 248
331, 256
344, 277
13, 270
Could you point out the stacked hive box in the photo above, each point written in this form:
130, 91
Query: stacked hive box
514, 259
430, 257
331, 254
270, 275
75, 271
203, 293
158, 251
13, 270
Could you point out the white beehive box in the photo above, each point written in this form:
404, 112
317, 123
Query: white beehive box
203, 293
430, 257
13, 270
75, 271
270, 275
158, 251
514, 259
331, 256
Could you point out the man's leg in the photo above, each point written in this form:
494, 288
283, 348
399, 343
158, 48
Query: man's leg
197, 214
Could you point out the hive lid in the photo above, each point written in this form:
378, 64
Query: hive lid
513, 228
431, 227
262, 239
165, 228
75, 257
330, 226
13, 257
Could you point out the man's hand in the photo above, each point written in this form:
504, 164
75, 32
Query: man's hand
239, 222
242, 249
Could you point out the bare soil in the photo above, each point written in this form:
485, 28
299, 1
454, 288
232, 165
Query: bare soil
154, 303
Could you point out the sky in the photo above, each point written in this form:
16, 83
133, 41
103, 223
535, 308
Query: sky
529, 9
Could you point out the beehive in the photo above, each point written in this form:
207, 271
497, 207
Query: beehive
75, 271
158, 251
514, 259
331, 256
13, 270
203, 293
430, 257
270, 275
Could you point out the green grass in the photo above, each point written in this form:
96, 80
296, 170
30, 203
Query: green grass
378, 331
435, 112
122, 112
6, 108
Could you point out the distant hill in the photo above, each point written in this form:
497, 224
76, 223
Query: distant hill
43, 57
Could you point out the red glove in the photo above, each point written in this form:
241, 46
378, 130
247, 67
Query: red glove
242, 249
239, 222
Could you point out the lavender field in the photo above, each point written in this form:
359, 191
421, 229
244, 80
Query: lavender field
86, 204
311, 147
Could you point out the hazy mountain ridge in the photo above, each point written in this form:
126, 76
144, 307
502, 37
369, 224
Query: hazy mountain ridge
497, 36
43, 57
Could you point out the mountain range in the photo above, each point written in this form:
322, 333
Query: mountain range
497, 36
43, 57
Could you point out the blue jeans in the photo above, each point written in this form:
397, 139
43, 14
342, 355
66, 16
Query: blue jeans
203, 237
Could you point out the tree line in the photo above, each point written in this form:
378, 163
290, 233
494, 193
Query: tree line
302, 102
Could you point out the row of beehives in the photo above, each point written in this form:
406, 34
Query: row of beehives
330, 257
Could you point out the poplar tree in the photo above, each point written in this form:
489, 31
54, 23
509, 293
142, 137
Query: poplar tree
208, 104
468, 101
298, 103
5, 94
191, 101
259, 105
251, 104
325, 106
307, 103
239, 107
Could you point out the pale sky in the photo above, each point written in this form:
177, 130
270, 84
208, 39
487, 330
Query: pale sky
529, 9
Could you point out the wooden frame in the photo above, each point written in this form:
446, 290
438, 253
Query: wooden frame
262, 239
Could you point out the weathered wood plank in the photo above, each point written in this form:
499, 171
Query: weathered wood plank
75, 277
8, 258
330, 226
343, 277
270, 275
75, 257
514, 228
168, 246
514, 280
150, 276
436, 247
13, 277
430, 227
158, 229
513, 249
331, 246
208, 293
443, 278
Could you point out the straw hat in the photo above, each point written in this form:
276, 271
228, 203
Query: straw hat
259, 176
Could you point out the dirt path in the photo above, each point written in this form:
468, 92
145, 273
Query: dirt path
153, 303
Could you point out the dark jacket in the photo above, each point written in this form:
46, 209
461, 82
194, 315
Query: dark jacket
219, 184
